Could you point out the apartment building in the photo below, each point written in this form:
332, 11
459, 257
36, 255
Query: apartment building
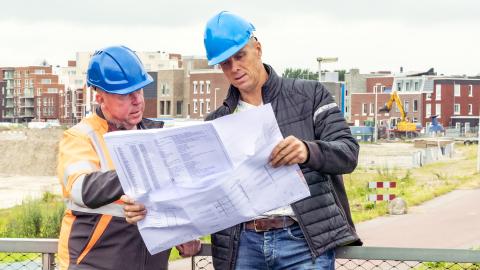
208, 89
30, 93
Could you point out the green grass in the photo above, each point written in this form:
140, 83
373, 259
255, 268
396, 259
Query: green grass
40, 218
6, 258
415, 186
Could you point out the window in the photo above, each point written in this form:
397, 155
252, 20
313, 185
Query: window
470, 109
165, 90
39, 71
364, 109
207, 104
438, 92
194, 87
195, 108
208, 87
168, 103
52, 90
399, 86
179, 107
456, 89
407, 106
162, 107
201, 87
372, 109
45, 101
470, 90
417, 86
46, 81
438, 110
39, 91
428, 110
456, 109
407, 86
201, 107
415, 105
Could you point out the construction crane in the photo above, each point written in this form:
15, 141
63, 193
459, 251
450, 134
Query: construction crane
403, 126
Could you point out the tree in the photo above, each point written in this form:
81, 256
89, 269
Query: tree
298, 73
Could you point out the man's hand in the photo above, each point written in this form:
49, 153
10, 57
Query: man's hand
133, 211
289, 151
190, 248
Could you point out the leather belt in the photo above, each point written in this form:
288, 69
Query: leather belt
267, 224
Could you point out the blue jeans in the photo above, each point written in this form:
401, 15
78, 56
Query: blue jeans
279, 249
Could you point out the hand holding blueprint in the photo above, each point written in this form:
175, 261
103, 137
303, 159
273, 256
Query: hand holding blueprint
200, 179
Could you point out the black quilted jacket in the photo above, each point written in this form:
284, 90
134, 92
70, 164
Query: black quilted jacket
305, 109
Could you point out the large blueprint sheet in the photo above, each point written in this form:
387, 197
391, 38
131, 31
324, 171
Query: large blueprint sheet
200, 179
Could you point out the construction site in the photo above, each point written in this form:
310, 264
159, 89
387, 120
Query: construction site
28, 163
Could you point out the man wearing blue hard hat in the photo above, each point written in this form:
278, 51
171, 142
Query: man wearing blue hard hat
303, 235
94, 232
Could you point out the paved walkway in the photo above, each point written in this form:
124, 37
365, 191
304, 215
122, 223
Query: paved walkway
448, 221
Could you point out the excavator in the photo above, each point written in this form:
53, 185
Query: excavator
403, 127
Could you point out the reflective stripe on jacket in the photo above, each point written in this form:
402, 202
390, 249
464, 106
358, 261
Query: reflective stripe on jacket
94, 233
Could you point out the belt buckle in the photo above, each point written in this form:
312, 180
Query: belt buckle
255, 227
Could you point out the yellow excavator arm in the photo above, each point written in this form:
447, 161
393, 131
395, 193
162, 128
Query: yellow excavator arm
394, 97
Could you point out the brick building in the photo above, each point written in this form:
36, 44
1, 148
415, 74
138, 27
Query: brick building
7, 94
208, 89
30, 93
455, 100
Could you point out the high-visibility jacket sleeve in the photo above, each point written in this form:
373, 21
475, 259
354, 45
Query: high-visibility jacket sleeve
79, 171
101, 188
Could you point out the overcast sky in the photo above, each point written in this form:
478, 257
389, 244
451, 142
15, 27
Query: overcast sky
368, 34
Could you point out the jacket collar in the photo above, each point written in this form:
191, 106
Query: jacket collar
270, 90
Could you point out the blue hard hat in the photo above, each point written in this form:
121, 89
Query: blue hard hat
225, 34
117, 70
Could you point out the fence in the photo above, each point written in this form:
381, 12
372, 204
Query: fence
26, 253
433, 154
36, 254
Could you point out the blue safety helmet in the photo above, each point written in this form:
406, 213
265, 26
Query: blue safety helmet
226, 34
117, 70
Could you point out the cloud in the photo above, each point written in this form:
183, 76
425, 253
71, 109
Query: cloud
187, 12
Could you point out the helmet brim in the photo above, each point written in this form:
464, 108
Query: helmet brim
228, 53
129, 89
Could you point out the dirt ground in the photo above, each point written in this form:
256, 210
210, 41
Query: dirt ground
29, 151
391, 155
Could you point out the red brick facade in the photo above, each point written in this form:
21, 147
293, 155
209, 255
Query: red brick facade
36, 92
382, 83
466, 100
207, 91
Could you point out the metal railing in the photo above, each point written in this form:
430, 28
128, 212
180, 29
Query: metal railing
18, 253
27, 253
382, 258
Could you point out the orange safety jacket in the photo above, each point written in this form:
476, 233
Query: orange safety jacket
94, 233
